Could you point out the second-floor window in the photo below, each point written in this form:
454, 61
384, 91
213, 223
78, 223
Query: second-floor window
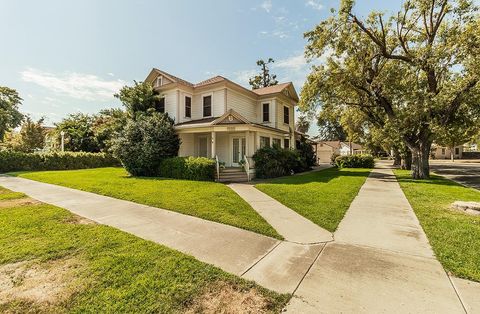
188, 107
286, 115
266, 112
207, 106
160, 105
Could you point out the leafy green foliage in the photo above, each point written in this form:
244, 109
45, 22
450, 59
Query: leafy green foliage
264, 79
30, 138
145, 142
139, 98
271, 162
107, 126
355, 161
306, 152
321, 196
10, 117
79, 135
412, 72
454, 236
19, 161
188, 168
208, 200
115, 272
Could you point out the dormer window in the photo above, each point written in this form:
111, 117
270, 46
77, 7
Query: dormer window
158, 81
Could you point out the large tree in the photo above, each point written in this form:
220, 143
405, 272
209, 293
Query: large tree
303, 124
107, 126
413, 71
10, 117
139, 98
30, 138
79, 135
264, 78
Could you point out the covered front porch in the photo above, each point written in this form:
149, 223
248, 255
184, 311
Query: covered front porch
231, 145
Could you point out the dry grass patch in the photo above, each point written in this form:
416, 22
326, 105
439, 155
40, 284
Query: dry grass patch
226, 298
18, 202
79, 220
39, 283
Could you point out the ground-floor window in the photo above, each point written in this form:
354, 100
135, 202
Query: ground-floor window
286, 143
276, 142
264, 141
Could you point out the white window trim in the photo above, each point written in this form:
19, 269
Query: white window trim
211, 105
191, 106
269, 111
283, 115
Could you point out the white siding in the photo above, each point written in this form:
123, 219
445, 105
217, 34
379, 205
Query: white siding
222, 147
171, 103
244, 105
181, 108
187, 147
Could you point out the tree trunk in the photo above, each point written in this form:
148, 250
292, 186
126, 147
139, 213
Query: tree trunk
420, 160
397, 158
407, 159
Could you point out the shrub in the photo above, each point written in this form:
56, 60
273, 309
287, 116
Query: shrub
18, 161
145, 142
188, 168
355, 161
273, 162
333, 158
306, 151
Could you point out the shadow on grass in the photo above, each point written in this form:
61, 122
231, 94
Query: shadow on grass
322, 176
434, 180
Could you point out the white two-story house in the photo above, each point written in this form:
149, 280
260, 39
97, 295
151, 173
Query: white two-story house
218, 118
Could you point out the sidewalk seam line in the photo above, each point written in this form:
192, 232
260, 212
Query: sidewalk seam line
456, 292
308, 269
261, 258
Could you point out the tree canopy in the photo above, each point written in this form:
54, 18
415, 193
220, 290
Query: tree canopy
10, 117
30, 138
413, 72
138, 98
264, 78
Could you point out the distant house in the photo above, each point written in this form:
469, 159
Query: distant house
442, 152
326, 149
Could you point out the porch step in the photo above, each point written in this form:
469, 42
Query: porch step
233, 175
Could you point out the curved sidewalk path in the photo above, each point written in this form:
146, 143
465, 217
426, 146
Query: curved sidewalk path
380, 261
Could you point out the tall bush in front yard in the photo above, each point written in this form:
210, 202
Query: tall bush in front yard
271, 162
305, 149
145, 142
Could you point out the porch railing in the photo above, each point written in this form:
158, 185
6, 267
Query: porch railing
217, 166
247, 167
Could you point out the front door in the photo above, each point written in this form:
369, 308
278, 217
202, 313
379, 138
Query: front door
238, 150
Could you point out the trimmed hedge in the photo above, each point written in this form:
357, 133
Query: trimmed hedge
18, 161
188, 168
355, 161
271, 162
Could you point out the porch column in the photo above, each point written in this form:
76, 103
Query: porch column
214, 144
247, 144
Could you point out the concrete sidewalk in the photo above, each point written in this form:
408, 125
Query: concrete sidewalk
292, 226
274, 264
380, 262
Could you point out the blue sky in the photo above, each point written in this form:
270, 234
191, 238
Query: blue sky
67, 56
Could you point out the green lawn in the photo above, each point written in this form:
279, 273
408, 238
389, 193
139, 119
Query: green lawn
207, 200
50, 262
454, 236
323, 196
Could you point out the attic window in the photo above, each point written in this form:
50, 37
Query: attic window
286, 92
158, 81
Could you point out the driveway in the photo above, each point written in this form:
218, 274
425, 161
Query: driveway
464, 172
